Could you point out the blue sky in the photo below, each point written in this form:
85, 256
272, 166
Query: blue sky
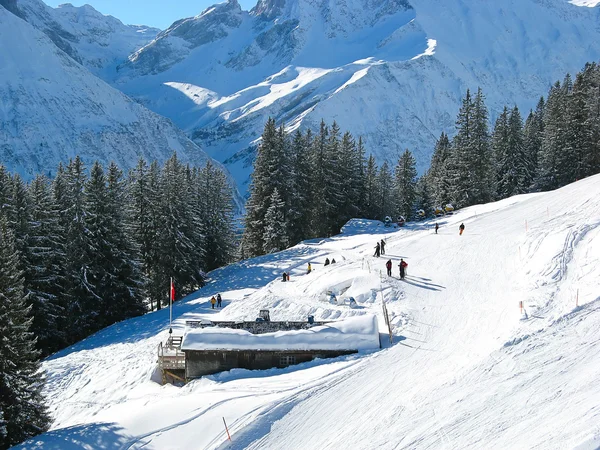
156, 13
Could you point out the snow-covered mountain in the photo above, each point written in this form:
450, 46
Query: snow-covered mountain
393, 71
97, 41
467, 369
52, 108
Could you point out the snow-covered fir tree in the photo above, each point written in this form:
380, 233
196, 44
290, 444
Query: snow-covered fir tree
438, 176
371, 203
275, 237
405, 184
21, 382
215, 210
44, 268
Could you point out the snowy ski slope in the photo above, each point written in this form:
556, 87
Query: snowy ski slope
467, 370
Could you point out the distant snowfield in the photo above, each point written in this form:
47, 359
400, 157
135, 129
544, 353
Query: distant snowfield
466, 369
588, 3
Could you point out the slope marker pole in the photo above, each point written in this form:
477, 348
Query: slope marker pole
227, 429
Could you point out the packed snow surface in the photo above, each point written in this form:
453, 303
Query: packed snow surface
356, 333
467, 368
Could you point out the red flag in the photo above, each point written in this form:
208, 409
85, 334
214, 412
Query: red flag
172, 291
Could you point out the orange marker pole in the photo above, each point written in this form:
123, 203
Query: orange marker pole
226, 429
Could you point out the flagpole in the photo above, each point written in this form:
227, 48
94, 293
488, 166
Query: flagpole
171, 306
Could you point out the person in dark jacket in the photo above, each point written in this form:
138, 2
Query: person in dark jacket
461, 229
326, 262
388, 266
377, 250
333, 261
403, 264
436, 227
382, 247
219, 300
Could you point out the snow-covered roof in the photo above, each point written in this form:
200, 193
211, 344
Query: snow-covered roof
356, 333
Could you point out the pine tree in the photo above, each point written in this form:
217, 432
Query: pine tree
553, 139
300, 190
178, 251
320, 170
405, 185
502, 161
424, 199
481, 189
591, 157
144, 218
460, 177
123, 284
385, 187
269, 173
275, 237
215, 208
358, 179
21, 383
438, 176
371, 206
44, 266
532, 135
152, 259
82, 307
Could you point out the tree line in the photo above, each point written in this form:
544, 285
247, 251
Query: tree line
91, 248
308, 185
557, 144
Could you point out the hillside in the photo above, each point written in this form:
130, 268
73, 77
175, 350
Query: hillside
392, 71
52, 108
466, 370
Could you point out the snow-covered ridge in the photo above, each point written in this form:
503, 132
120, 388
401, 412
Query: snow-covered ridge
97, 41
410, 64
467, 369
52, 108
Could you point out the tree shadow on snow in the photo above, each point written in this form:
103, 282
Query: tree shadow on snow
95, 435
414, 281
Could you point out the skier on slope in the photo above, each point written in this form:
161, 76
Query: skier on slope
219, 300
437, 227
326, 262
382, 247
403, 265
461, 229
388, 266
213, 301
377, 250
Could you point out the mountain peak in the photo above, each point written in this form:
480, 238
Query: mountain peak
268, 9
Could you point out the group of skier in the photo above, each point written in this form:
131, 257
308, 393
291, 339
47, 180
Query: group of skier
402, 266
326, 263
216, 301
380, 250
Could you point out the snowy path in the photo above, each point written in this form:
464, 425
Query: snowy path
464, 372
